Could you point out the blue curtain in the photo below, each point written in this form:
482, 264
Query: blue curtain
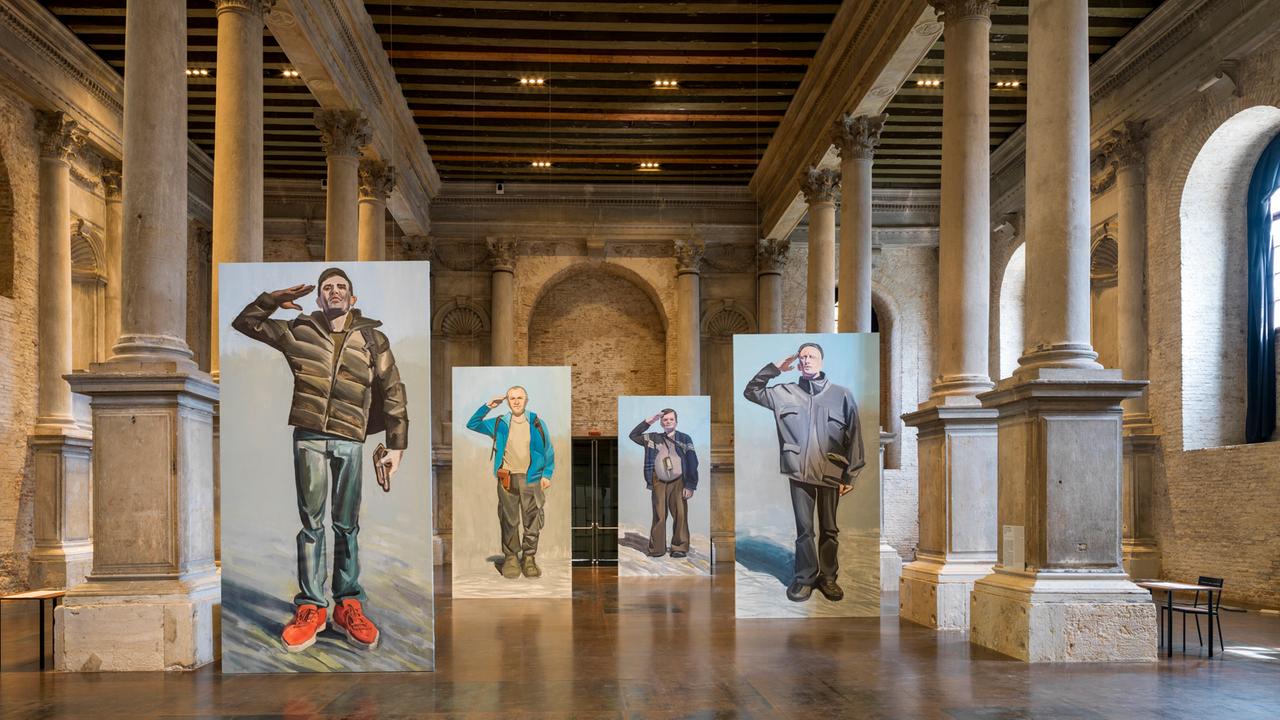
1260, 413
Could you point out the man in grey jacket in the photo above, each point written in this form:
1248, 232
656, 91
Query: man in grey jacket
821, 453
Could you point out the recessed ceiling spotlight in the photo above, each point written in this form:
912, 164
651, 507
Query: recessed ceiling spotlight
1009, 84
666, 84
649, 167
541, 163
290, 73
533, 81
197, 72
932, 83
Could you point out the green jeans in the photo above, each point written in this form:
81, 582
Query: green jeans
322, 461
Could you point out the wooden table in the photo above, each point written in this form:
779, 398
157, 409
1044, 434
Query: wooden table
39, 596
1169, 589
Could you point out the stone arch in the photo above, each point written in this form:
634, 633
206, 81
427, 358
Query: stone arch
1011, 310
7, 247
887, 315
460, 318
459, 338
1104, 305
603, 322
88, 295
1211, 232
720, 322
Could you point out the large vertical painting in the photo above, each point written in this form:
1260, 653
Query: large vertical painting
664, 485
325, 467
807, 480
511, 482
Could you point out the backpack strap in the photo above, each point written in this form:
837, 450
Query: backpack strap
371, 342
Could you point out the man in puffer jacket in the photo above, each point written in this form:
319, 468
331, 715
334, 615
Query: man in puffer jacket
341, 363
821, 453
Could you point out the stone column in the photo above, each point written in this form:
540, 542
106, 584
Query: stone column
957, 436
342, 133
238, 154
1125, 148
148, 602
688, 316
1059, 592
771, 258
114, 246
63, 549
502, 316
820, 187
890, 560
856, 137
377, 181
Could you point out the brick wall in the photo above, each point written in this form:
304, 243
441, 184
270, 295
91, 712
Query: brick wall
1215, 508
19, 148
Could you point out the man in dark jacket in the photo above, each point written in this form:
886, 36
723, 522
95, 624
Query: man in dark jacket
821, 453
341, 363
671, 475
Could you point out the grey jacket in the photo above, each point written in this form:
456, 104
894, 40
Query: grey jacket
819, 434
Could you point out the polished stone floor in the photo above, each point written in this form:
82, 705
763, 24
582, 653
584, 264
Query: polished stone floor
670, 648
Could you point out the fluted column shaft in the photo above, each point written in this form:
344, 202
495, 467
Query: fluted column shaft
964, 246
502, 323
60, 136
1125, 148
238, 140
820, 187
856, 138
377, 181
1057, 188
688, 328
771, 257
342, 133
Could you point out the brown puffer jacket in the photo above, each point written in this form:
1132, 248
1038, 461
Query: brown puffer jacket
327, 398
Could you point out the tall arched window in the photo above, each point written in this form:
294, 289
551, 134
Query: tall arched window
1264, 238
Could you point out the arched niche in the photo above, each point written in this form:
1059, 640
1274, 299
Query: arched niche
720, 322
1212, 234
1104, 327
88, 296
597, 319
884, 320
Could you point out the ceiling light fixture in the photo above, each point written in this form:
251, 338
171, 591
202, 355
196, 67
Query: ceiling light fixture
1009, 84
929, 83
532, 81
541, 163
666, 84
649, 167
197, 72
290, 73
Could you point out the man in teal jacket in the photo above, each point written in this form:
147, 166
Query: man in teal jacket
523, 463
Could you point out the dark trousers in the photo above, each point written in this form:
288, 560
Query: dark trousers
820, 560
668, 498
327, 466
521, 504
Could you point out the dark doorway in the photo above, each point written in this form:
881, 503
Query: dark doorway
595, 501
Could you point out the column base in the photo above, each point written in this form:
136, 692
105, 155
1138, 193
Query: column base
63, 552
137, 625
890, 568
935, 593
1141, 560
1064, 617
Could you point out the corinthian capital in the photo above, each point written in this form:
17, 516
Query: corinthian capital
954, 10
60, 136
255, 8
342, 132
421, 247
112, 179
689, 256
820, 184
857, 136
502, 253
377, 180
1126, 145
771, 255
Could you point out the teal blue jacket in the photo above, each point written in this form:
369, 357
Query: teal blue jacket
542, 457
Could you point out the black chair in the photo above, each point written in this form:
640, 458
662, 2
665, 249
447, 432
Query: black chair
1209, 610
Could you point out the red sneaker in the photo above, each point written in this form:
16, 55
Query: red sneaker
300, 634
351, 621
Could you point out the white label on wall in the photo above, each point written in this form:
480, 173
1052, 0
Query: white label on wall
1013, 547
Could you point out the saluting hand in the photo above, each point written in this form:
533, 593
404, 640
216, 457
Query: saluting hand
285, 298
496, 402
655, 418
786, 363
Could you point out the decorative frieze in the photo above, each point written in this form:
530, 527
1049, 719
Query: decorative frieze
377, 180
60, 136
771, 255
820, 185
342, 132
857, 136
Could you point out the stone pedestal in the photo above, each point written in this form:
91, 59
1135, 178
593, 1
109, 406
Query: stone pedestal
148, 602
63, 551
1141, 555
1058, 592
957, 450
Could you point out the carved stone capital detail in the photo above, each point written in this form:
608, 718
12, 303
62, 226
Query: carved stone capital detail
820, 184
420, 247
856, 136
112, 179
342, 132
255, 8
1126, 146
60, 136
771, 255
688, 254
954, 10
502, 253
377, 180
